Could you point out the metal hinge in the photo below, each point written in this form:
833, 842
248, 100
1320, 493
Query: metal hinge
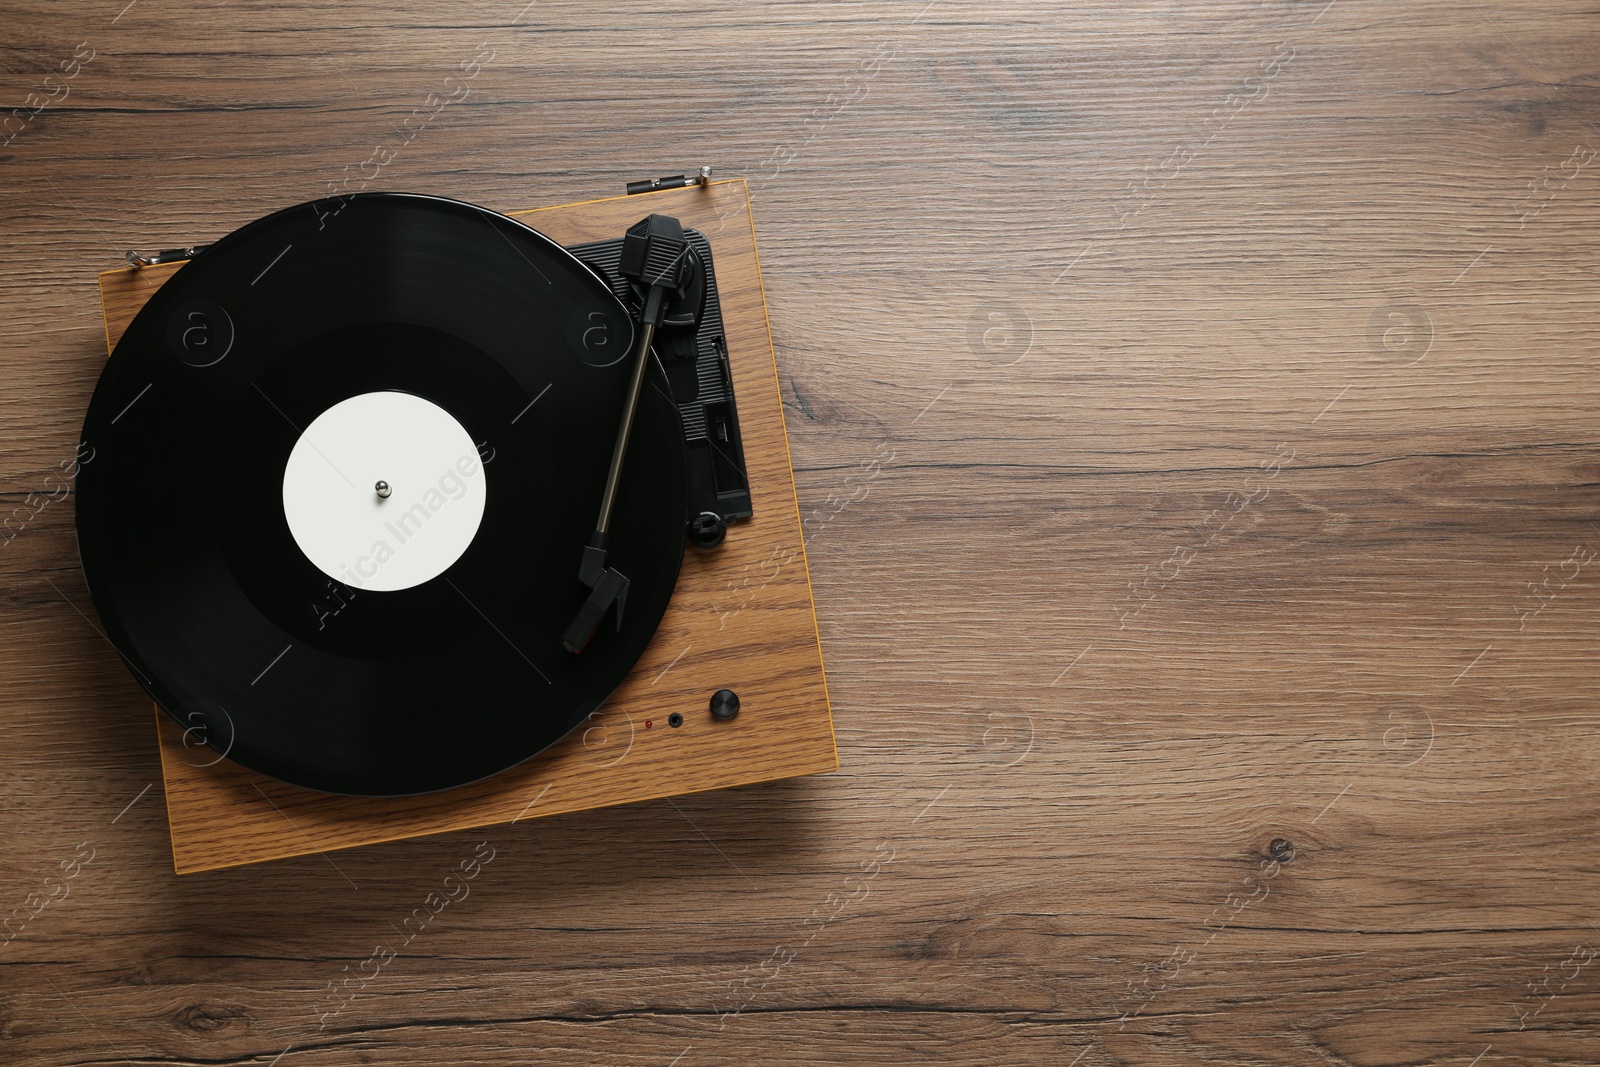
170, 255
676, 181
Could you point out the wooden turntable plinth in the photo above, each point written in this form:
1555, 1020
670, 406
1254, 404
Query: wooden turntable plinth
741, 619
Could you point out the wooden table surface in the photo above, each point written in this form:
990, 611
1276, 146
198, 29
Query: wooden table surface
1212, 649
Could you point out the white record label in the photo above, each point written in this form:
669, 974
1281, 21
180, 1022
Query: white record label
426, 462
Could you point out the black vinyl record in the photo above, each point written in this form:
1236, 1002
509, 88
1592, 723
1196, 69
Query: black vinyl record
300, 672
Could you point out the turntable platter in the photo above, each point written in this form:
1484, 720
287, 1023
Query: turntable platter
345, 464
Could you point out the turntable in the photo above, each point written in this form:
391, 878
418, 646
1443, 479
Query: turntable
414, 517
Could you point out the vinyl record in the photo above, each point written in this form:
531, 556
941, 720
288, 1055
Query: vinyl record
318, 626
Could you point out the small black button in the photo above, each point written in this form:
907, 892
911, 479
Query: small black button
724, 704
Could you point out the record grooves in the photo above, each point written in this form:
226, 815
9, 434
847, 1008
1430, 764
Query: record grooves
504, 353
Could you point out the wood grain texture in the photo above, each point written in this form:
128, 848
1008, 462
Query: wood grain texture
1080, 270
740, 618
